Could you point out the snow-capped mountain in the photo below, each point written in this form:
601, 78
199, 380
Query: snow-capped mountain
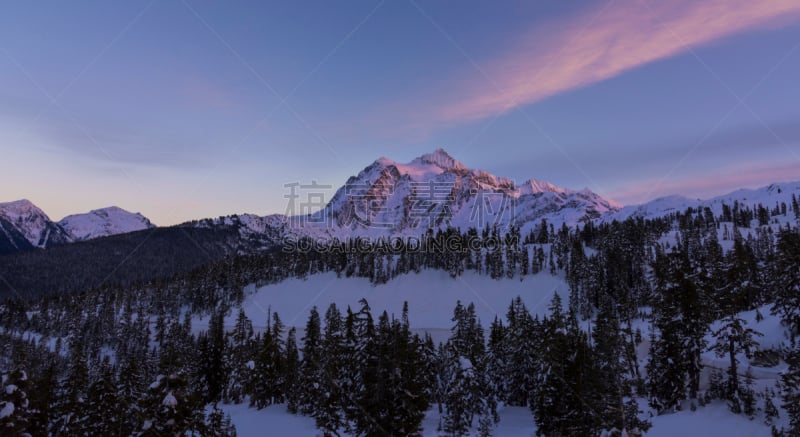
434, 191
769, 196
30, 222
103, 222
257, 231
24, 226
387, 198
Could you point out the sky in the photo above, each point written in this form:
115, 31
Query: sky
184, 109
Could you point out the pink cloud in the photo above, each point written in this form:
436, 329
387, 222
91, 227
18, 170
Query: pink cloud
602, 43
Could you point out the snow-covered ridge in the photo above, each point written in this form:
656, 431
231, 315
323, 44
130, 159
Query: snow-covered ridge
28, 220
104, 222
388, 198
769, 196
435, 191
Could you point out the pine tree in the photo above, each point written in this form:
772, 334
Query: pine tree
790, 388
329, 412
734, 337
680, 326
311, 370
519, 350
565, 401
14, 414
292, 371
469, 349
787, 304
786, 280
363, 371
43, 400
129, 391
410, 382
496, 360
460, 383
70, 407
634, 425
103, 408
218, 424
239, 359
268, 368
608, 349
213, 372
770, 410
170, 408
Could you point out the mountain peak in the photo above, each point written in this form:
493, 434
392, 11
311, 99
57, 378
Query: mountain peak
533, 186
103, 222
21, 207
30, 221
441, 159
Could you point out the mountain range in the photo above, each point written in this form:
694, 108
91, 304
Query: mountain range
386, 198
24, 226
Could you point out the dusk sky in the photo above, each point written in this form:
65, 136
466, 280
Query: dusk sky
191, 109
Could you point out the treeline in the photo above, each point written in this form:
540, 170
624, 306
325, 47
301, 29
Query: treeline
120, 260
130, 352
352, 373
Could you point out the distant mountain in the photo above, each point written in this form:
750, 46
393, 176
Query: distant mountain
770, 196
103, 223
24, 226
436, 191
386, 198
32, 223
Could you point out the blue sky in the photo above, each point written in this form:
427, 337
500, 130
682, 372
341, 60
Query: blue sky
189, 109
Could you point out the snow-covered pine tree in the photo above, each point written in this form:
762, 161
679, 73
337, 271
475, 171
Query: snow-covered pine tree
14, 404
268, 366
311, 371
608, 350
70, 407
218, 424
458, 400
129, 391
732, 338
519, 348
240, 359
170, 408
565, 401
103, 408
411, 380
680, 325
790, 388
496, 360
786, 280
212, 369
292, 371
329, 414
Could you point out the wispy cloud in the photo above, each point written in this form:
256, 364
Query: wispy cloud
602, 43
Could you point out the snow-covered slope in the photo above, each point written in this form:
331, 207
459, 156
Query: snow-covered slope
768, 196
32, 223
432, 295
104, 222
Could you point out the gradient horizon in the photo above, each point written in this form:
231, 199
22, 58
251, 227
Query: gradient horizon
190, 109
